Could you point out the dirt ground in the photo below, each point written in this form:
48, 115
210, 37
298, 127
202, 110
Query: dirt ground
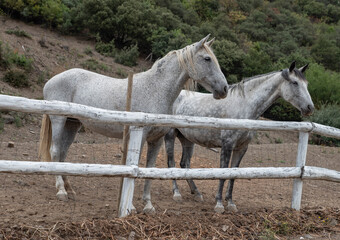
28, 204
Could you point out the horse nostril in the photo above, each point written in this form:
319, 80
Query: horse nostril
225, 89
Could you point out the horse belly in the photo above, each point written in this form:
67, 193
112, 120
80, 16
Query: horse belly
109, 130
203, 137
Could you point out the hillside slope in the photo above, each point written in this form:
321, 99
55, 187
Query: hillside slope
53, 53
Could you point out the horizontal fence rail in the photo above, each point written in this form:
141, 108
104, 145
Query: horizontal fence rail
146, 119
109, 170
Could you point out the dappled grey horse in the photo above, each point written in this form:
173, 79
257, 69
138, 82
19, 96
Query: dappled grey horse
248, 99
154, 91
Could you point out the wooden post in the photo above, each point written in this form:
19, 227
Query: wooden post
128, 109
300, 162
126, 128
128, 186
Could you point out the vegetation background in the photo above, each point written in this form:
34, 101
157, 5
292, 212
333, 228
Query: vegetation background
252, 37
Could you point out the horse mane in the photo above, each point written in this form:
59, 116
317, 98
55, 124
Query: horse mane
240, 85
185, 57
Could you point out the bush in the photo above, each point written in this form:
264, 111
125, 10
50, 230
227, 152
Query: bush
163, 41
328, 115
93, 65
16, 78
128, 56
106, 49
18, 33
9, 58
324, 85
230, 57
283, 111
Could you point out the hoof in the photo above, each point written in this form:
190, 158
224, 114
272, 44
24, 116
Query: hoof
72, 195
177, 197
232, 207
151, 210
62, 196
198, 198
132, 210
219, 208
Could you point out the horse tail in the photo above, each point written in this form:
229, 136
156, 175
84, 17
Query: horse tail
45, 139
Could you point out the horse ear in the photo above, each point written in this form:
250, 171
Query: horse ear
292, 66
304, 68
209, 43
201, 43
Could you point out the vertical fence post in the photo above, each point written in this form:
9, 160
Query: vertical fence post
128, 186
126, 128
300, 162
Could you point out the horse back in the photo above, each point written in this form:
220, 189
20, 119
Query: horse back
88, 88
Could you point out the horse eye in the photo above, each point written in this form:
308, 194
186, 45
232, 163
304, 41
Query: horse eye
207, 59
295, 83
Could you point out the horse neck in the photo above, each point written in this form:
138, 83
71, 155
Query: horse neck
163, 82
260, 93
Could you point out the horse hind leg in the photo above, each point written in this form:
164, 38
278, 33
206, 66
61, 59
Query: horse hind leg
63, 133
153, 149
235, 163
187, 152
169, 140
224, 163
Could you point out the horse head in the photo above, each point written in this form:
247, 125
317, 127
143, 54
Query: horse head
294, 89
203, 67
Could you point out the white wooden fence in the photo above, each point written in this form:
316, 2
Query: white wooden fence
138, 120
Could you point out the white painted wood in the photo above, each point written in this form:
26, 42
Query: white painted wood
132, 171
63, 168
317, 173
132, 159
300, 162
219, 173
143, 119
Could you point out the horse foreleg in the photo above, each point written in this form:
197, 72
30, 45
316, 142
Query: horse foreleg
169, 140
153, 149
224, 162
235, 163
63, 133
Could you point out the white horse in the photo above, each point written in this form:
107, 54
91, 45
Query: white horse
248, 99
154, 91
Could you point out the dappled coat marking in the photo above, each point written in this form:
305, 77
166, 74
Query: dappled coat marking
248, 99
154, 91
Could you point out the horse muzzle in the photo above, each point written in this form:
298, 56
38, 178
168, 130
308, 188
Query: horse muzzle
220, 94
307, 111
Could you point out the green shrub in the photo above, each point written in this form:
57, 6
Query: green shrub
328, 115
88, 51
22, 61
16, 78
163, 41
17, 121
106, 49
128, 56
18, 33
93, 65
9, 58
324, 85
283, 111
230, 57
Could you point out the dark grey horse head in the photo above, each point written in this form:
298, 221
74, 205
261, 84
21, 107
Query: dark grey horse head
294, 89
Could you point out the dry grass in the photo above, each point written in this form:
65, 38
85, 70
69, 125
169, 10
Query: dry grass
262, 224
